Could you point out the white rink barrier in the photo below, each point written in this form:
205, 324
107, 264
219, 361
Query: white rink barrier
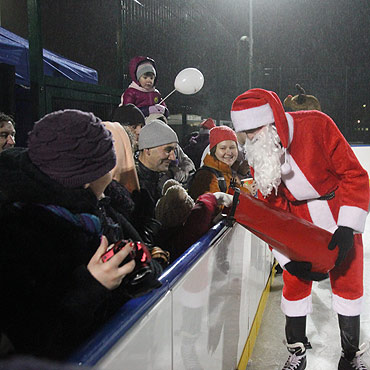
200, 317
363, 155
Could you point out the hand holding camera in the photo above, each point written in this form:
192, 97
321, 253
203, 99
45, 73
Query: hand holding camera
144, 276
118, 267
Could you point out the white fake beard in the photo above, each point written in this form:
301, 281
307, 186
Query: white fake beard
264, 153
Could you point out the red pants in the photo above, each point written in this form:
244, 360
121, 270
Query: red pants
346, 283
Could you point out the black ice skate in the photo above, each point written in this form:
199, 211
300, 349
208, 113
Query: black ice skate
355, 363
297, 358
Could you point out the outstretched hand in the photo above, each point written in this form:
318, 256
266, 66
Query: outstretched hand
302, 270
343, 238
110, 274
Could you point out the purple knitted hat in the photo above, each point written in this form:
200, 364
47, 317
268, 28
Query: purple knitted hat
72, 147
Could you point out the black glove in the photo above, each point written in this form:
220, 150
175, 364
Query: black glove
302, 270
148, 280
343, 238
148, 230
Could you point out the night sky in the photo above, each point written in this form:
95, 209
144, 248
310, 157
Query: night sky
298, 32
327, 42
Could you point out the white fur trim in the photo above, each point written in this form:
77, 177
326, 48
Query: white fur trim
321, 215
297, 182
251, 118
353, 217
347, 307
283, 260
302, 307
290, 126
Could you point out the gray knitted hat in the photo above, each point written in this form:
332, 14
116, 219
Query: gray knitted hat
145, 68
72, 147
156, 133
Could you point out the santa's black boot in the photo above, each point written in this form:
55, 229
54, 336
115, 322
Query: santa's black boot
350, 338
297, 343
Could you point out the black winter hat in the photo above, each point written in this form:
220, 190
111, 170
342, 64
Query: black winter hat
128, 115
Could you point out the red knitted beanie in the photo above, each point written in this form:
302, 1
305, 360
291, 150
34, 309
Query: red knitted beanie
221, 133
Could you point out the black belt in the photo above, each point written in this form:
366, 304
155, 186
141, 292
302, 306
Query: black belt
328, 196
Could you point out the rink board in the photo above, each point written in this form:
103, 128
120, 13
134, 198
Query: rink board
201, 316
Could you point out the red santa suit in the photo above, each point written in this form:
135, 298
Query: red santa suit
320, 164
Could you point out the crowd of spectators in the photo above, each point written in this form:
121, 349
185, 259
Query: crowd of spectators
77, 188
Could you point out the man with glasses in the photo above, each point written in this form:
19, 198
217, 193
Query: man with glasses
7, 132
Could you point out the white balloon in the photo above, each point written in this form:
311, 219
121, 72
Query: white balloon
189, 81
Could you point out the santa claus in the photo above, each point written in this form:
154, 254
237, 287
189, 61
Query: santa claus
303, 164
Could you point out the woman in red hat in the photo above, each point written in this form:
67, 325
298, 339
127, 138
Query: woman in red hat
216, 174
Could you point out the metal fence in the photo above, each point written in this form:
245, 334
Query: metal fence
178, 34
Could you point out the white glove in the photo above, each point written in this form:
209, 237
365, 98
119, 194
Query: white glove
223, 199
157, 108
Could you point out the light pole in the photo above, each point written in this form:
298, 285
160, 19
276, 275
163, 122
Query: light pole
241, 60
242, 56
250, 40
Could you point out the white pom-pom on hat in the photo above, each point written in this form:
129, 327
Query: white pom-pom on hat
285, 167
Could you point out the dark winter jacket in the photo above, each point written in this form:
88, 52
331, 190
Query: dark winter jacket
119, 207
50, 303
149, 180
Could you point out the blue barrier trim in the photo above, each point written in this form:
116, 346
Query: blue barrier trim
133, 310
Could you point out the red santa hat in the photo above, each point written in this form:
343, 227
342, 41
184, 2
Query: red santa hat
208, 123
221, 133
258, 107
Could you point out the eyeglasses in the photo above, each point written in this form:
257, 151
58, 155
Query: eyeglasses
4, 135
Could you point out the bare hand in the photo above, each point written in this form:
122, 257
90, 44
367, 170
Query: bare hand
110, 274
